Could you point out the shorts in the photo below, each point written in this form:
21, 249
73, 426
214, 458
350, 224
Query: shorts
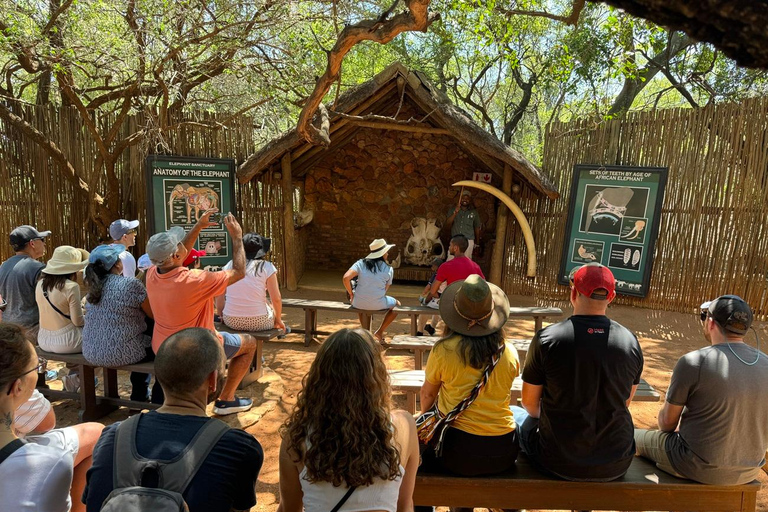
252, 323
232, 344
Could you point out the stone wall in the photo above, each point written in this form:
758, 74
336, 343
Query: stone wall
374, 185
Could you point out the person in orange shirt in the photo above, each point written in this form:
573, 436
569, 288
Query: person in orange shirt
181, 298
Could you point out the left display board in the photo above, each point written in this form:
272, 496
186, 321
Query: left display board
181, 189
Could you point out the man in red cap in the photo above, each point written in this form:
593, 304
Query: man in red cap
192, 260
579, 378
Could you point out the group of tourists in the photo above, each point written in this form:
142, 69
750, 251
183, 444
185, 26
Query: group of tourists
344, 446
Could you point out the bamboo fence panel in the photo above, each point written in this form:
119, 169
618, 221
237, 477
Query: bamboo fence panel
713, 235
34, 191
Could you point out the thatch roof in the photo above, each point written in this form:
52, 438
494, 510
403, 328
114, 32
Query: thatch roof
382, 90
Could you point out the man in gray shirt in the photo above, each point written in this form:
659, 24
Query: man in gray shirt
463, 219
18, 277
713, 427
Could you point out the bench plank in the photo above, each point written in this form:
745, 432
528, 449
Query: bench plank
410, 382
423, 344
311, 307
524, 488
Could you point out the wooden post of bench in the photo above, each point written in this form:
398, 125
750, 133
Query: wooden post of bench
499, 248
309, 325
256, 367
414, 324
289, 235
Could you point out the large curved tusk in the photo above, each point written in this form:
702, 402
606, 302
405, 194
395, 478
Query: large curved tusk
516, 211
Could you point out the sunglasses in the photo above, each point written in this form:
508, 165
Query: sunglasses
42, 364
703, 314
3, 304
132, 232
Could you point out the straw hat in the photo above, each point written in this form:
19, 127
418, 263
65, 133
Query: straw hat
66, 260
378, 248
474, 307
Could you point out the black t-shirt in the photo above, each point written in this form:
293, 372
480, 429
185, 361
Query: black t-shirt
224, 482
587, 365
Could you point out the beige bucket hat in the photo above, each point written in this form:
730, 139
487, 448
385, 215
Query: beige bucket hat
66, 260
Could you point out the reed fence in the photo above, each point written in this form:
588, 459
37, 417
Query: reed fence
713, 237
33, 190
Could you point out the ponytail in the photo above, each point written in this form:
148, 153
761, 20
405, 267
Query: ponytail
94, 277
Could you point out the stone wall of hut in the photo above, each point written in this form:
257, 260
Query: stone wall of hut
376, 184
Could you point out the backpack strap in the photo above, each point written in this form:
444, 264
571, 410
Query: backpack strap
45, 294
8, 449
175, 475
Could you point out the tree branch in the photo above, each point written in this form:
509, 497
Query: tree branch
571, 19
417, 18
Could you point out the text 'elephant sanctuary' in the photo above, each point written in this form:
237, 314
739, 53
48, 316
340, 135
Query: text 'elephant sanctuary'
424, 245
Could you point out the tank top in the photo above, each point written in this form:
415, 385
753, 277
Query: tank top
323, 496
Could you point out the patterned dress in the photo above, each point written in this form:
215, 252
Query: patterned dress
114, 328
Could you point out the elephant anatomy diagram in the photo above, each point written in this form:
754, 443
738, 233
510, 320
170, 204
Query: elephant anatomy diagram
192, 198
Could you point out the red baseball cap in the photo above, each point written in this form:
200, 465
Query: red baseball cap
193, 255
595, 281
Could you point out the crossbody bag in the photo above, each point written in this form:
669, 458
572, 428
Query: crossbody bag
432, 424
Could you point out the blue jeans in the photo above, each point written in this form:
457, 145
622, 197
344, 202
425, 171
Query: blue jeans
525, 425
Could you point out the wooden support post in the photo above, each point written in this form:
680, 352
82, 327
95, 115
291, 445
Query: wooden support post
289, 235
500, 247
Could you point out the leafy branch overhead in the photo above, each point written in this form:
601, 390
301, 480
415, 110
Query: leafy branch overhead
382, 30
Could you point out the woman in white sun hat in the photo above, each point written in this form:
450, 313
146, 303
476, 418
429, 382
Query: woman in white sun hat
58, 298
374, 277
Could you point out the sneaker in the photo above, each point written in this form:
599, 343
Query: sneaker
287, 331
429, 329
51, 375
71, 383
222, 408
419, 333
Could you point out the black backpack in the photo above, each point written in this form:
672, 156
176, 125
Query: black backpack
128, 495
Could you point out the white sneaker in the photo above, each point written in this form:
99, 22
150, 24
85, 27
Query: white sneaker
71, 383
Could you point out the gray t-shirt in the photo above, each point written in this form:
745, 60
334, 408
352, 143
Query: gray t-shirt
723, 432
18, 276
465, 222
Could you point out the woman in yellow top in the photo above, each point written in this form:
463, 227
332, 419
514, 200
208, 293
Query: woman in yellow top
482, 440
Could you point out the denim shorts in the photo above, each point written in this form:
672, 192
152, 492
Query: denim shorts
232, 344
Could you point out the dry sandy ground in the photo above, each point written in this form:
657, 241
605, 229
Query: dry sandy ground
664, 338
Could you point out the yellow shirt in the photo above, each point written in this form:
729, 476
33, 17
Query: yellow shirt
489, 414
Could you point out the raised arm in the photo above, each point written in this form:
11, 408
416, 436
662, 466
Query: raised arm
237, 272
201, 224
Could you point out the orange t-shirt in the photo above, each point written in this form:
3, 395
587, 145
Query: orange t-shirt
183, 298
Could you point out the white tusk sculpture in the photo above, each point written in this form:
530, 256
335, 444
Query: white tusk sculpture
516, 211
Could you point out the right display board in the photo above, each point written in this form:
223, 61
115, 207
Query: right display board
613, 219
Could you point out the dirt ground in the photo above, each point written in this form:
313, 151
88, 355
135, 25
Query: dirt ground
663, 336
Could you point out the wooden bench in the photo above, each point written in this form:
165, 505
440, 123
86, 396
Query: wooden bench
410, 382
93, 407
423, 344
524, 488
311, 307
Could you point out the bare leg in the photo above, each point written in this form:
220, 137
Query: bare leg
238, 367
388, 319
423, 320
88, 434
360, 317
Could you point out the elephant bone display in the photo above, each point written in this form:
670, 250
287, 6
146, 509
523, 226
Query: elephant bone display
424, 244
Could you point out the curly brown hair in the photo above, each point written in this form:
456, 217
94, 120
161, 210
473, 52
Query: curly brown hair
341, 429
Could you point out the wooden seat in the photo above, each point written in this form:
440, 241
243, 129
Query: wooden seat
423, 344
93, 407
410, 382
311, 307
525, 488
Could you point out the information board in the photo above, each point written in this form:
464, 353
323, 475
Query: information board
181, 189
613, 219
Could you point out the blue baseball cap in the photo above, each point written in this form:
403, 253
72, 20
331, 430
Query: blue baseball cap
107, 254
120, 227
